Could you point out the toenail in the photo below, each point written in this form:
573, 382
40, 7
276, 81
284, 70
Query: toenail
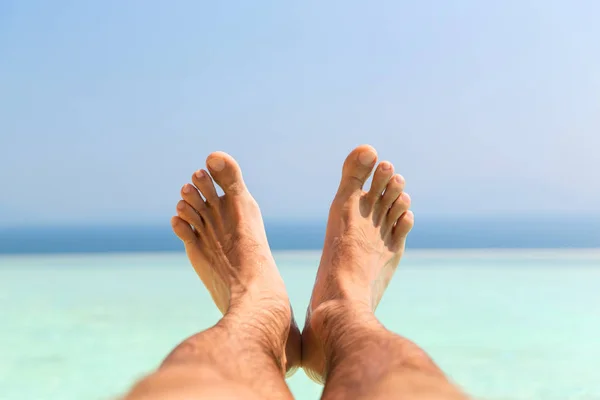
187, 188
180, 206
386, 166
216, 164
366, 158
200, 174
399, 179
405, 198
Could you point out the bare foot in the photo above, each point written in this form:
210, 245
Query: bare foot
225, 240
365, 239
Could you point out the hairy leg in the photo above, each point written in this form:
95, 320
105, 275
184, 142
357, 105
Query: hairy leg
248, 352
343, 342
364, 360
237, 358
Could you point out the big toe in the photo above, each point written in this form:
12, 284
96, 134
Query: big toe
357, 168
226, 172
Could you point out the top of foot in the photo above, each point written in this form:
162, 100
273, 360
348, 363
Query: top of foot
366, 230
225, 240
364, 242
224, 236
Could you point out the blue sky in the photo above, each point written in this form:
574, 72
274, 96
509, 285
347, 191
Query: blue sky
106, 108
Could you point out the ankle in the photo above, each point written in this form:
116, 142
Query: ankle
263, 328
340, 314
339, 326
343, 291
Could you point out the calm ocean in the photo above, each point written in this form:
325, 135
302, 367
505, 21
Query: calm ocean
429, 233
504, 324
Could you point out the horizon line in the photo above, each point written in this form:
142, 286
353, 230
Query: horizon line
533, 251
428, 217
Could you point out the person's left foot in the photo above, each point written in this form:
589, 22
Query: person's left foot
225, 240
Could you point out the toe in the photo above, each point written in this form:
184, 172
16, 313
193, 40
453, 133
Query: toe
357, 168
226, 172
393, 189
187, 213
191, 196
400, 206
183, 230
382, 176
205, 185
403, 226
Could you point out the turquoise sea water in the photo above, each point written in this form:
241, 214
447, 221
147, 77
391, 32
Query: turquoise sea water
504, 324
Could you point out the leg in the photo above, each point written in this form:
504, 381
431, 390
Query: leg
247, 353
343, 343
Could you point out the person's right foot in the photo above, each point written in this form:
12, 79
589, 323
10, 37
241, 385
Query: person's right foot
365, 239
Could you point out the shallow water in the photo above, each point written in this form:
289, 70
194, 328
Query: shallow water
503, 324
